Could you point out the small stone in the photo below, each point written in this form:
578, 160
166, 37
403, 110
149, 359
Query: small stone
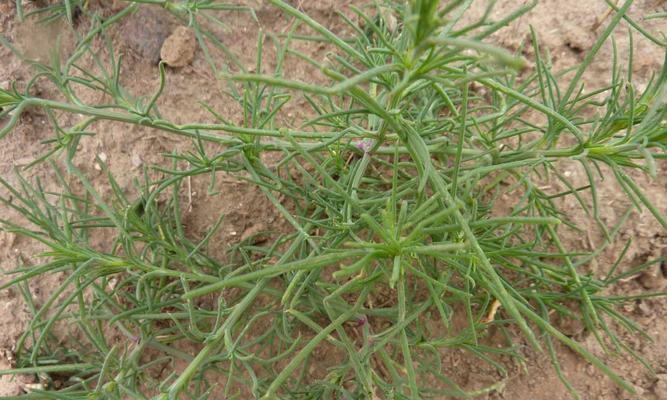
572, 327
389, 18
144, 32
255, 232
644, 309
31, 387
103, 158
117, 5
7, 239
653, 277
178, 50
479, 89
136, 160
660, 388
639, 391
569, 324
592, 344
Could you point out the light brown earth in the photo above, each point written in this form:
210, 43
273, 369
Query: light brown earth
567, 28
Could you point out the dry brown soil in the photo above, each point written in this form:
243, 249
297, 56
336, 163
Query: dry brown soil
567, 28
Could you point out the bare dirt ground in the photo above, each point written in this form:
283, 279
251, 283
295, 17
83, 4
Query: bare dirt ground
567, 28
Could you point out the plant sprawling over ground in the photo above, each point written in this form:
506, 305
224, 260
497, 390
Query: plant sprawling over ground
392, 187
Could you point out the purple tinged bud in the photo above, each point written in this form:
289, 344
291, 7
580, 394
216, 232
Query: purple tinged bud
365, 145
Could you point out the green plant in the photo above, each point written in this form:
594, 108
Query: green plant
398, 174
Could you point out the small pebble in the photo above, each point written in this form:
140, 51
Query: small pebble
103, 158
569, 326
653, 278
31, 387
145, 32
178, 50
117, 5
628, 308
136, 160
644, 309
660, 388
389, 18
254, 230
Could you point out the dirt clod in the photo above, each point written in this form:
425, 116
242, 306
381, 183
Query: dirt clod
103, 158
144, 33
389, 18
644, 309
254, 232
179, 48
570, 326
653, 278
136, 160
660, 388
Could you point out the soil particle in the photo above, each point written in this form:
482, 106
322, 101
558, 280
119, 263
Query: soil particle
389, 18
13, 385
570, 326
639, 392
660, 388
136, 160
644, 309
103, 158
592, 344
254, 232
7, 240
6, 7
40, 41
144, 32
179, 48
653, 277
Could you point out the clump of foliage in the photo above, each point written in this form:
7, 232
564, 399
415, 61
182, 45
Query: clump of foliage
391, 186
